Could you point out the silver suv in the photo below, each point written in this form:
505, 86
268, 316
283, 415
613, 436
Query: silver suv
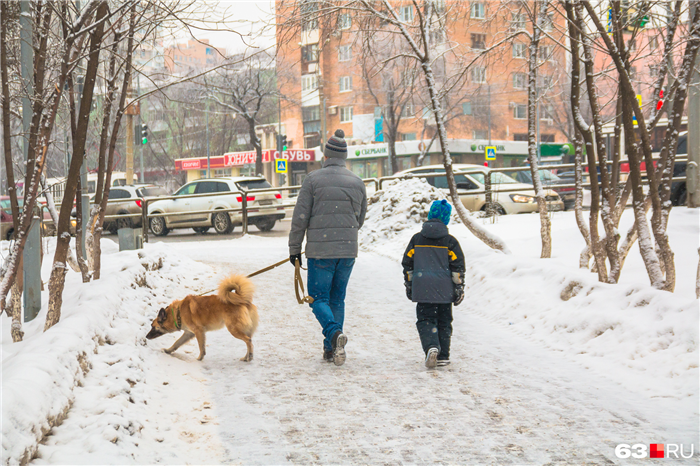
201, 197
126, 200
471, 178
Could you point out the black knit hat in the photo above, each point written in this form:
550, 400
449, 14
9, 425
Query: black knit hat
336, 146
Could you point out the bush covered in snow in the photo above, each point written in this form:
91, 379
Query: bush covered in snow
401, 205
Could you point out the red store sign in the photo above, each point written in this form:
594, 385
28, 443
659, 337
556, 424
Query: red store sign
234, 159
242, 158
298, 155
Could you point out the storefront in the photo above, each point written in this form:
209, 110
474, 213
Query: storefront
301, 161
372, 160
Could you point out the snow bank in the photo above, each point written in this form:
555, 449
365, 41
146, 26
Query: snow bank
400, 208
40, 373
645, 337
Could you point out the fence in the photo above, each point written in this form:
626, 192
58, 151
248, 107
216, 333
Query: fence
145, 217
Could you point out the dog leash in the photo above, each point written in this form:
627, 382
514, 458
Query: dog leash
298, 281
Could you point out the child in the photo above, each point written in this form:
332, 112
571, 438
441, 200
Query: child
433, 267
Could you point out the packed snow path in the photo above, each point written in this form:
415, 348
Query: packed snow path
504, 399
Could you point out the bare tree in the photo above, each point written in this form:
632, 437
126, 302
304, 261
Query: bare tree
248, 89
607, 199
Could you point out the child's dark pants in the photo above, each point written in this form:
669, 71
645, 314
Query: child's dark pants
435, 327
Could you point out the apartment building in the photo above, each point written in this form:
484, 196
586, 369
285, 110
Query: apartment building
324, 74
192, 56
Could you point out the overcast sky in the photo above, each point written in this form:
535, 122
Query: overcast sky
243, 16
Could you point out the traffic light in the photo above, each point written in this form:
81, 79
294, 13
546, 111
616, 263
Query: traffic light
284, 142
144, 133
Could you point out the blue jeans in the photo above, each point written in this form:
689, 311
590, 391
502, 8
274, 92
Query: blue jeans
328, 280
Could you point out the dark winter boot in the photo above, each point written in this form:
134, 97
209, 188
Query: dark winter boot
339, 341
328, 355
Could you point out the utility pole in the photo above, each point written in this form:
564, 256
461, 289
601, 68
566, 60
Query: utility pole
138, 93
208, 156
131, 110
692, 175
32, 250
489, 90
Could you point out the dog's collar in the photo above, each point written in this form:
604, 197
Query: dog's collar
176, 320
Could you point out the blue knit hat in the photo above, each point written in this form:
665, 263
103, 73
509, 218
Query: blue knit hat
440, 210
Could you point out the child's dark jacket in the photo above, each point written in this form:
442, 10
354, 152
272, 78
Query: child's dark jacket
432, 255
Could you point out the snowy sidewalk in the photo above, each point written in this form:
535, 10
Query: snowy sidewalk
506, 399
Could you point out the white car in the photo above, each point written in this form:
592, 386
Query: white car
199, 197
470, 177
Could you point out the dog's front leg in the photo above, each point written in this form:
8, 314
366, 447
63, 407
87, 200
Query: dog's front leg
187, 336
201, 341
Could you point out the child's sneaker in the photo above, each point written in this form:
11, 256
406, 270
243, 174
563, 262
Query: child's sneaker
339, 342
443, 362
431, 358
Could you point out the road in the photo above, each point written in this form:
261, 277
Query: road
281, 229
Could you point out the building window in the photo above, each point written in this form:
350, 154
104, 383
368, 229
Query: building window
467, 108
633, 45
479, 74
520, 112
408, 136
309, 82
309, 53
406, 13
437, 36
478, 41
345, 53
518, 21
344, 21
407, 111
309, 15
519, 50
653, 43
519, 81
520, 137
345, 114
548, 23
654, 71
546, 52
345, 83
546, 138
478, 11
480, 134
546, 112
544, 81
310, 113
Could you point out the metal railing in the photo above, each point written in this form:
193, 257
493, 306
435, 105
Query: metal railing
488, 188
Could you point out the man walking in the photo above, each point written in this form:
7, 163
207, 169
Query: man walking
330, 209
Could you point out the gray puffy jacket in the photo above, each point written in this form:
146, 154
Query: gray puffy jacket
330, 210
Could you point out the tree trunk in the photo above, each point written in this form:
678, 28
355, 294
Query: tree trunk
532, 116
82, 264
58, 272
16, 305
51, 207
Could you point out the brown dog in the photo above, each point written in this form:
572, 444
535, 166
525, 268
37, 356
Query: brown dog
232, 307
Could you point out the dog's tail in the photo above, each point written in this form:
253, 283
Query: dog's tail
236, 289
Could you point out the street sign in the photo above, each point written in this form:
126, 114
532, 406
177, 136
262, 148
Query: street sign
280, 166
490, 152
634, 117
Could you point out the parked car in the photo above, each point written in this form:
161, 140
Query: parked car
7, 228
125, 200
263, 210
679, 193
471, 178
549, 180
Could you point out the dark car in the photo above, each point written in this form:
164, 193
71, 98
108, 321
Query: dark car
679, 194
549, 181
